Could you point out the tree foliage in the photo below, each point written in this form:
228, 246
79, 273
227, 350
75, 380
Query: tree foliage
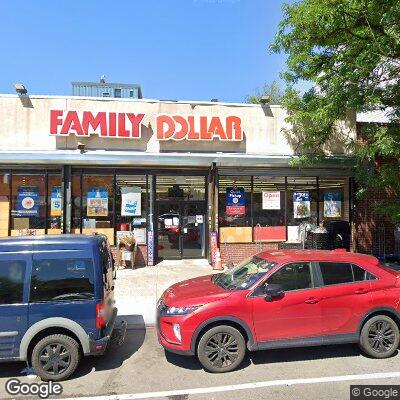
273, 90
350, 51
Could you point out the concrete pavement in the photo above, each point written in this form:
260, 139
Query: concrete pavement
137, 290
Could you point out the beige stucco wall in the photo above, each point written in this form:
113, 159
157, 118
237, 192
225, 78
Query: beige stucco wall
25, 125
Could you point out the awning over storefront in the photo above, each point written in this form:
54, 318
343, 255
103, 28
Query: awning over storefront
196, 160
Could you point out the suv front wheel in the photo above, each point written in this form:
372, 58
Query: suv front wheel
55, 357
221, 349
380, 337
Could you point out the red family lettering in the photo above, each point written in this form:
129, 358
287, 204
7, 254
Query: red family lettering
103, 124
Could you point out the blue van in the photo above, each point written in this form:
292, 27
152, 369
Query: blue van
56, 301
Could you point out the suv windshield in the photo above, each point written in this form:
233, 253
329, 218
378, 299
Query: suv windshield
243, 275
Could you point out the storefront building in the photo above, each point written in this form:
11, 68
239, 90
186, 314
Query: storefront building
181, 176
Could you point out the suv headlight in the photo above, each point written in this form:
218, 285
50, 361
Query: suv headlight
180, 310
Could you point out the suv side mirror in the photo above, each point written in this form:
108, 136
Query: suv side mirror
273, 291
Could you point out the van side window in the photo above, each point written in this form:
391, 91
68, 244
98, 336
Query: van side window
62, 279
12, 275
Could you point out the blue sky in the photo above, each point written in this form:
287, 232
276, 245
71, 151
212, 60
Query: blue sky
176, 49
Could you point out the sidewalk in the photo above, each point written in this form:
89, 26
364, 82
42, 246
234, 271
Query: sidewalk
137, 290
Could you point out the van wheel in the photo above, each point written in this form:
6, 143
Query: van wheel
221, 349
55, 357
380, 337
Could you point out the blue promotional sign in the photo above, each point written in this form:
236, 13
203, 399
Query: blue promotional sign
301, 204
235, 201
28, 201
97, 202
56, 201
332, 204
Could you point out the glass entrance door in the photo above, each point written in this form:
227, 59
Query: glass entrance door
181, 229
193, 229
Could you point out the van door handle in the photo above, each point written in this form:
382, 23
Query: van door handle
312, 300
361, 291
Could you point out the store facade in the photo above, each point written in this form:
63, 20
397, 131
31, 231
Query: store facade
176, 175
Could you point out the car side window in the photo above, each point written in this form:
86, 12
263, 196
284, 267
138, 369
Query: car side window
62, 279
12, 275
293, 276
338, 273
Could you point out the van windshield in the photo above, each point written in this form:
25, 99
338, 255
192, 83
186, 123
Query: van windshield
244, 275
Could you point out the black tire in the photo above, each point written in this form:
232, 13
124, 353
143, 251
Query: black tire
55, 357
221, 349
380, 337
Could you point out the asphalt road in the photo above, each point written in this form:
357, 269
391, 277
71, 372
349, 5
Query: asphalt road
142, 366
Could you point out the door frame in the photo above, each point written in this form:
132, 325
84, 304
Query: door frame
181, 204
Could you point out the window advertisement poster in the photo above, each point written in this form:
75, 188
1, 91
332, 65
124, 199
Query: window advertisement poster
213, 247
271, 200
28, 201
150, 248
97, 202
332, 204
235, 201
301, 204
56, 201
131, 201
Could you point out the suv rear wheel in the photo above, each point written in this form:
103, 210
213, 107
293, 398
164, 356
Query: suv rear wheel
221, 349
55, 357
380, 337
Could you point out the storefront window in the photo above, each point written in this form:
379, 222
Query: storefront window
54, 199
4, 203
302, 206
179, 187
131, 206
28, 204
269, 209
234, 209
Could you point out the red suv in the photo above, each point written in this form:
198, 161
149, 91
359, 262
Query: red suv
283, 299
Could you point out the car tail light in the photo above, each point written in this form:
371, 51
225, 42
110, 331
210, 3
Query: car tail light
100, 316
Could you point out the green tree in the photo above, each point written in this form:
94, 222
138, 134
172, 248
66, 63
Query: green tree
273, 90
350, 51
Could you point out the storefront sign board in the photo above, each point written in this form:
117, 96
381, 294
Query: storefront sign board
97, 202
129, 125
235, 201
28, 201
131, 201
271, 200
301, 204
332, 205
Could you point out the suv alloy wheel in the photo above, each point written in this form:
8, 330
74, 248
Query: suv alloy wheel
55, 357
221, 349
380, 337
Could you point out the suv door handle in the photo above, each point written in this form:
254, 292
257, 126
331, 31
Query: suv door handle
312, 300
361, 291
